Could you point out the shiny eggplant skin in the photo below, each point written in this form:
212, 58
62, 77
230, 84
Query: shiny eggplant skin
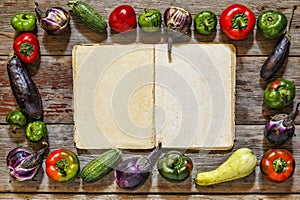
24, 89
276, 59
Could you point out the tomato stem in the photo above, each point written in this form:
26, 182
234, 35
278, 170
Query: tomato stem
62, 166
279, 165
239, 21
26, 49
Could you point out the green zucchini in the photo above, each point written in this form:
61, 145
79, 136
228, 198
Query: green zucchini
88, 15
101, 166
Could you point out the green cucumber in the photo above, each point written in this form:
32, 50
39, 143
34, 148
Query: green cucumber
88, 15
101, 166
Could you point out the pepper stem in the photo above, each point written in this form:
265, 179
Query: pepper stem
26, 49
279, 165
62, 166
239, 21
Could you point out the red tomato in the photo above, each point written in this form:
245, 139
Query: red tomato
277, 165
237, 21
122, 19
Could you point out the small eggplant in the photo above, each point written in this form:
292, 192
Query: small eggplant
178, 21
24, 89
279, 54
133, 173
24, 163
54, 21
280, 128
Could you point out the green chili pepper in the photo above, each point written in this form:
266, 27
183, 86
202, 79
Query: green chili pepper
150, 20
35, 131
205, 22
175, 166
271, 24
24, 21
279, 93
16, 119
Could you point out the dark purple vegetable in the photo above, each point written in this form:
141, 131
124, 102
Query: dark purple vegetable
279, 54
54, 21
25, 91
280, 128
133, 173
24, 162
178, 21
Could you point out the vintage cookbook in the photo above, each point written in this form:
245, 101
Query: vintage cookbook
132, 96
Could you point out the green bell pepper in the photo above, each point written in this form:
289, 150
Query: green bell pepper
23, 21
150, 21
279, 93
35, 131
175, 166
205, 22
271, 24
16, 119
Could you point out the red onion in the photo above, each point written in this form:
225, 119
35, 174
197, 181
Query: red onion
24, 162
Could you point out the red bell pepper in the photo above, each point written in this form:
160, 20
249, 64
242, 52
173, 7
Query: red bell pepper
27, 47
122, 19
237, 21
62, 165
277, 165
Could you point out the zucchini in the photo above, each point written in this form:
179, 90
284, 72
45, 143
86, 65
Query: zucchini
240, 164
88, 15
101, 166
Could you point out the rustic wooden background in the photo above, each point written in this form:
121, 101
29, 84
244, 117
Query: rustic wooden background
54, 80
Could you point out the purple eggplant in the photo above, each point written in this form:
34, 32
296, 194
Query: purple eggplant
177, 21
24, 162
281, 128
132, 173
24, 89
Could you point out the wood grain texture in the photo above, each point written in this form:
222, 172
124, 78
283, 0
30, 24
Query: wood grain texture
53, 76
78, 33
60, 136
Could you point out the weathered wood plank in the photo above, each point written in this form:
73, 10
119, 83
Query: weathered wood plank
61, 136
78, 33
145, 196
54, 80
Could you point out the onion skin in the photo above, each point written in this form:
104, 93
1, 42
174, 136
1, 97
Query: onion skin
24, 163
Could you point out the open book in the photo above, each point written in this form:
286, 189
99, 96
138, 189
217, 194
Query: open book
132, 96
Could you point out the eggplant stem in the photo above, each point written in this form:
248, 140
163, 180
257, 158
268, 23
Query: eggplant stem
153, 152
287, 33
170, 44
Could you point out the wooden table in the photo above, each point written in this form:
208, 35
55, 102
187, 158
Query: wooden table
54, 80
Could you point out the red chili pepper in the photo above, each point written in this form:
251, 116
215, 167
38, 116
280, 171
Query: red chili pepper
237, 21
123, 19
62, 165
27, 47
277, 165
